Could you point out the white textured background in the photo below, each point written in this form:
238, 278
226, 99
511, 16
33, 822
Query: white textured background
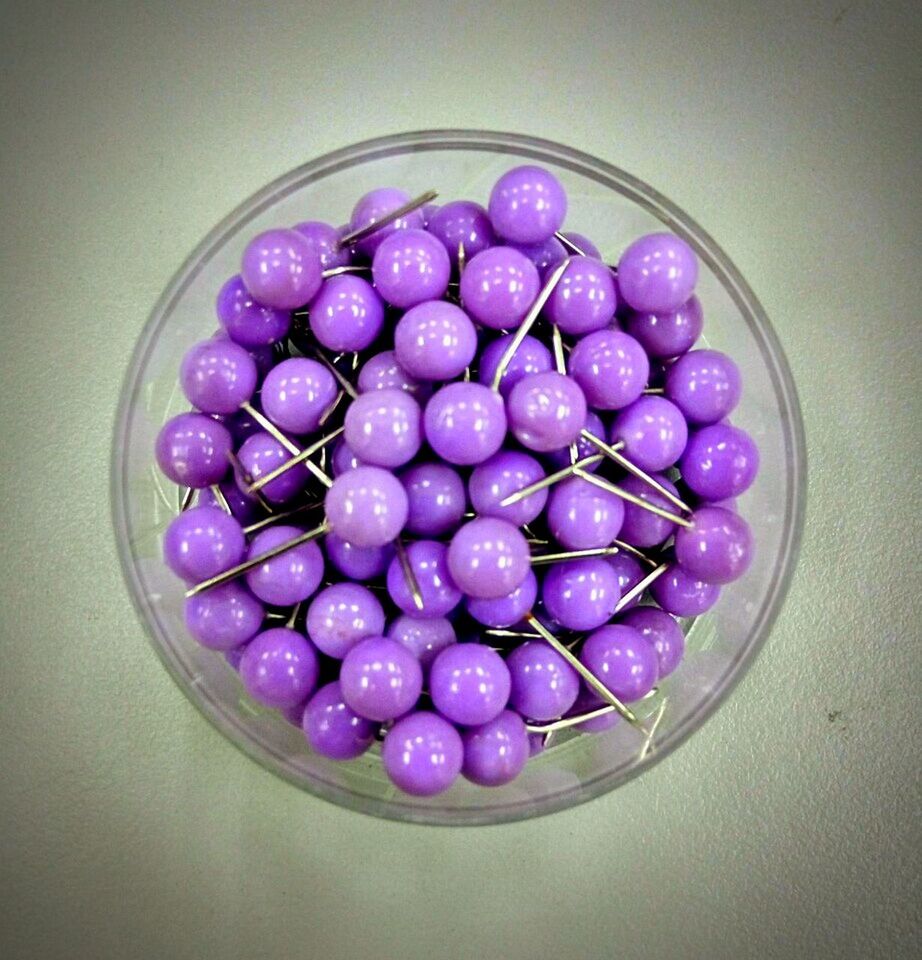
790, 825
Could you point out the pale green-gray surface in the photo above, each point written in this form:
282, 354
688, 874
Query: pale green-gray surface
789, 826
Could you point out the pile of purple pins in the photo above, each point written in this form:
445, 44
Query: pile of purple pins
450, 478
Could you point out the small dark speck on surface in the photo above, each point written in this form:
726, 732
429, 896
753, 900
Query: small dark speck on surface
837, 19
834, 715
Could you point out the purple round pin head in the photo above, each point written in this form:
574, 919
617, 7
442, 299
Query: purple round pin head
344, 458
281, 269
498, 287
546, 411
383, 427
495, 753
589, 249
341, 615
531, 357
717, 547
502, 475
559, 459
720, 462
657, 272
347, 314
424, 638
527, 204
384, 372
436, 498
643, 528
380, 679
629, 572
662, 632
429, 562
323, 239
224, 617
375, 205
428, 210
502, 612
536, 743
705, 385
667, 334
333, 729
193, 450
435, 340
543, 685
261, 454
202, 542
543, 255
217, 376
653, 431
411, 266
584, 299
241, 424
242, 508
580, 516
488, 558
611, 367
623, 660
469, 683
263, 357
682, 594
422, 754
462, 221
290, 577
358, 563
247, 322
581, 594
465, 423
368, 507
297, 393
279, 668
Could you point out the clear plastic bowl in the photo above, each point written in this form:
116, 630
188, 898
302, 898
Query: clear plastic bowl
612, 208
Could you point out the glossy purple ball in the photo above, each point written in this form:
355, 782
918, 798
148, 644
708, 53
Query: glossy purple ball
411, 266
202, 542
383, 427
358, 563
281, 269
588, 248
502, 612
435, 340
247, 322
243, 508
488, 558
217, 376
241, 424
643, 528
375, 205
498, 287
657, 272
290, 577
347, 314
323, 239
384, 372
224, 617
333, 729
623, 660
543, 685
544, 255
422, 754
279, 668
531, 357
720, 462
344, 458
584, 299
469, 683
465, 423
380, 679
261, 454
462, 221
559, 459
653, 431
527, 204
662, 632
667, 334
424, 638
683, 595
546, 411
611, 367
429, 562
588, 701
263, 357
581, 594
341, 615
193, 450
717, 547
705, 385
503, 474
629, 572
297, 393
495, 753
368, 507
580, 516
436, 498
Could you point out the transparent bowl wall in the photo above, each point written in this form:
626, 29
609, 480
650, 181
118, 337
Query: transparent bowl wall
612, 208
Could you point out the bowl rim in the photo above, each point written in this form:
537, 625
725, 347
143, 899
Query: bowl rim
671, 216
